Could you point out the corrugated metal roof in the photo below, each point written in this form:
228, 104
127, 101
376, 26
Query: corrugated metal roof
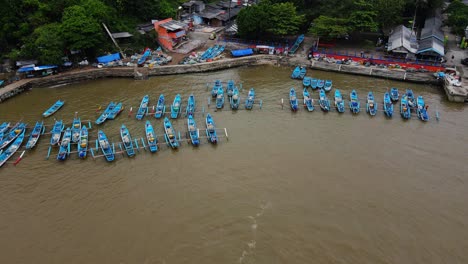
432, 29
121, 35
228, 15
402, 37
431, 45
173, 25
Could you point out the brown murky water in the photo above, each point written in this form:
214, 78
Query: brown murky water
286, 188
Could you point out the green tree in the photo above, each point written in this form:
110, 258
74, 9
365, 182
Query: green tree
457, 17
253, 22
329, 27
79, 30
388, 12
284, 19
48, 41
363, 17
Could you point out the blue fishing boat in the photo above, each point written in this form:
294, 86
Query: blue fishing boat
127, 141
371, 104
151, 137
4, 127
387, 105
35, 134
145, 56
56, 132
306, 82
54, 108
106, 148
320, 84
211, 130
339, 102
328, 85
115, 111
293, 99
394, 94
323, 101
220, 98
250, 99
314, 83
170, 134
296, 45
354, 103
405, 111
216, 87
76, 129
235, 99
143, 109
64, 145
303, 72
230, 88
175, 107
12, 148
160, 108
193, 131
83, 143
421, 110
103, 117
12, 134
296, 73
308, 101
410, 98
190, 110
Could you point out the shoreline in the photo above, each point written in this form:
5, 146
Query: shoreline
71, 77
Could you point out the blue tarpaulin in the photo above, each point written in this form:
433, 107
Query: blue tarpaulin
109, 58
242, 52
36, 68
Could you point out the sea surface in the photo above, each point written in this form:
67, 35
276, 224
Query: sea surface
284, 187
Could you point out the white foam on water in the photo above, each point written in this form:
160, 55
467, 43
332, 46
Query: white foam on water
254, 225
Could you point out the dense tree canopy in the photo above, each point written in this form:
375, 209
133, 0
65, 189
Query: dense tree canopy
457, 16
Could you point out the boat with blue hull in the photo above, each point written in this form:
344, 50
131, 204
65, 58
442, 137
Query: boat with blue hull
12, 134
296, 73
249, 101
308, 101
410, 98
5, 155
388, 105
56, 132
193, 131
64, 145
293, 99
235, 99
160, 107
143, 109
303, 72
327, 86
4, 127
421, 109
76, 129
106, 148
314, 83
218, 84
394, 94
405, 111
83, 143
103, 117
127, 141
170, 134
371, 105
339, 102
320, 84
230, 88
220, 98
306, 82
151, 137
175, 107
211, 130
190, 109
35, 135
54, 108
354, 103
115, 112
323, 101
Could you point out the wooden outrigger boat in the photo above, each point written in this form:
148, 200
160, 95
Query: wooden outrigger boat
405, 111
4, 127
308, 101
314, 83
190, 109
5, 155
12, 134
421, 109
127, 141
339, 102
35, 134
293, 99
354, 103
220, 98
296, 73
64, 150
371, 105
170, 134
160, 107
387, 105
410, 98
394, 94
323, 101
306, 82
320, 84
151, 137
235, 99
218, 84
193, 131
56, 132
76, 129
115, 111
143, 109
54, 108
328, 85
106, 148
103, 117
250, 99
175, 107
83, 143
211, 130
230, 88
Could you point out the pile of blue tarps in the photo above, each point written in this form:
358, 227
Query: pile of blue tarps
109, 58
